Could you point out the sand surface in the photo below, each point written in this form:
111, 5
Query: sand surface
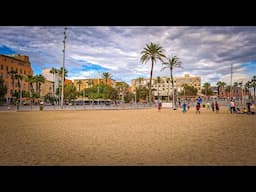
127, 137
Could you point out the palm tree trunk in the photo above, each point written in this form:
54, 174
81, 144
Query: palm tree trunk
172, 90
151, 74
168, 94
158, 91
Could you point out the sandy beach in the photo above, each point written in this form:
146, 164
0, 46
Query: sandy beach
127, 137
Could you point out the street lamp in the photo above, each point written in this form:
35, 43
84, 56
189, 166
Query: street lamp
63, 67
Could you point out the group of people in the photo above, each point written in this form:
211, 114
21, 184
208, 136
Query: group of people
246, 110
186, 106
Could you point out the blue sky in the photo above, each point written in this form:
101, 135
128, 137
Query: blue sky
90, 50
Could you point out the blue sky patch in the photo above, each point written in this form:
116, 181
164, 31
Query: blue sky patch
6, 50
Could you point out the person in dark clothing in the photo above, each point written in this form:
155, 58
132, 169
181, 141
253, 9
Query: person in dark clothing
212, 106
217, 107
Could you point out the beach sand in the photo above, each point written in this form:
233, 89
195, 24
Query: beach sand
127, 137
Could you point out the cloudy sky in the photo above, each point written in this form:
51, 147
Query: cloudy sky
90, 50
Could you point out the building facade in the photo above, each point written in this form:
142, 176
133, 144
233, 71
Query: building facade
88, 83
164, 86
10, 67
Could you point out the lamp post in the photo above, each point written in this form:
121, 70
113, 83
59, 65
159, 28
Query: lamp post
63, 67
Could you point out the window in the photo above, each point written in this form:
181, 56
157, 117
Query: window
11, 68
21, 71
2, 67
6, 68
24, 72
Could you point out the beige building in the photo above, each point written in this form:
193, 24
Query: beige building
165, 85
46, 88
87, 83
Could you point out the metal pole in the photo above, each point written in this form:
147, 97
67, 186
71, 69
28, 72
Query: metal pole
98, 88
231, 71
63, 67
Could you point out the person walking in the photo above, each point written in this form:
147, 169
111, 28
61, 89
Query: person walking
198, 108
212, 106
232, 106
159, 106
184, 107
217, 107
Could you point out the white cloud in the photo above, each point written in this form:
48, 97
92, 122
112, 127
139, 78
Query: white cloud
204, 51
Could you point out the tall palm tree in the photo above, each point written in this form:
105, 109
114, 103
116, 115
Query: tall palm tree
152, 52
171, 63
220, 84
168, 93
79, 84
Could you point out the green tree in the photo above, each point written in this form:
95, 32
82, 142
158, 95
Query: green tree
188, 90
152, 52
207, 89
39, 79
106, 76
171, 63
69, 92
30, 80
220, 84
122, 89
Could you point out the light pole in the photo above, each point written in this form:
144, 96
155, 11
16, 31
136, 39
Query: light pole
63, 67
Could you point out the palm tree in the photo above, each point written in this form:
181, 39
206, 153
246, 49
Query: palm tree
247, 87
65, 73
206, 87
106, 76
53, 71
30, 79
79, 84
220, 84
151, 52
168, 94
171, 63
38, 80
